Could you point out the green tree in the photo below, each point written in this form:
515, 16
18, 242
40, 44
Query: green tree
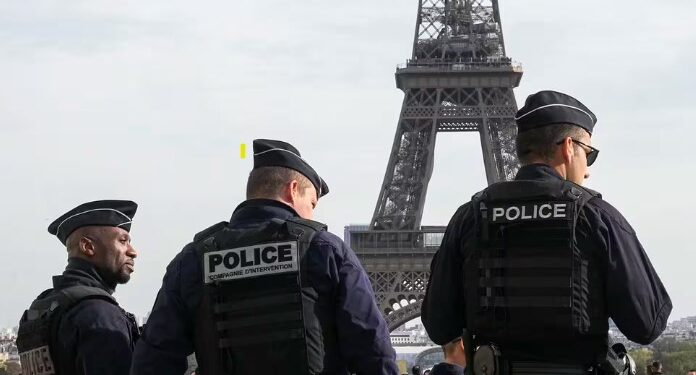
677, 357
678, 363
14, 368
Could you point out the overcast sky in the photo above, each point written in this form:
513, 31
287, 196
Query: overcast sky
150, 101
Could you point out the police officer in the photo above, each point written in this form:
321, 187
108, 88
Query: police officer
270, 291
537, 265
455, 359
77, 327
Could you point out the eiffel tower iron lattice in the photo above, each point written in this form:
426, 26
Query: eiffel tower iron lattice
458, 79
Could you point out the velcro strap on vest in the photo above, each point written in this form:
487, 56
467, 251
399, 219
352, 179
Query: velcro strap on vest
293, 334
525, 282
258, 302
525, 301
516, 262
261, 320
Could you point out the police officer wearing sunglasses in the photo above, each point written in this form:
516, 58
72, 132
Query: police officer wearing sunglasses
535, 267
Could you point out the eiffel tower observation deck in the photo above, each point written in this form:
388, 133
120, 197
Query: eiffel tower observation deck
458, 79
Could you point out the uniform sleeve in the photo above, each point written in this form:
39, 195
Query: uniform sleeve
361, 329
168, 335
636, 298
443, 311
105, 345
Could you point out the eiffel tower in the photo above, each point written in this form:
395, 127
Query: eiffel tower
458, 79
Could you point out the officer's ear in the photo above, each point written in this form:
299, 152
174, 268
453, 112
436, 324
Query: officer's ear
567, 150
87, 246
294, 191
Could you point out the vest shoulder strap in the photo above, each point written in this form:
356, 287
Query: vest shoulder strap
530, 189
74, 294
580, 193
305, 229
210, 231
64, 299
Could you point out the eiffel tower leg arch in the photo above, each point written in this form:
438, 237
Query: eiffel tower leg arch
399, 295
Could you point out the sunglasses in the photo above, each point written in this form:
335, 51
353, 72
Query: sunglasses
591, 155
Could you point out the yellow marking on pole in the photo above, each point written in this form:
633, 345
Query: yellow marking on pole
242, 151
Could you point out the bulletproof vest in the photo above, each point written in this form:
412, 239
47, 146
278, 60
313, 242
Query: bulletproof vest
39, 324
257, 312
526, 278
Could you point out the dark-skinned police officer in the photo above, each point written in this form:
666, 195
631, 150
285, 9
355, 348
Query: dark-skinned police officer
537, 266
270, 291
77, 327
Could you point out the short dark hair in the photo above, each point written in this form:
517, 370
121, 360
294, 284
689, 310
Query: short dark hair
541, 142
268, 182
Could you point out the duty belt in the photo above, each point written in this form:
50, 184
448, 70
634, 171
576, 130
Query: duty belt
487, 360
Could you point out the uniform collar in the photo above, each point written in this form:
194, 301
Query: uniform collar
258, 210
81, 272
537, 172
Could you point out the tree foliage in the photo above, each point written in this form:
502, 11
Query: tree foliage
677, 357
10, 368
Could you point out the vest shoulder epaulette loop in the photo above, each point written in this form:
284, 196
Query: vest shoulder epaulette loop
209, 231
594, 193
585, 194
478, 196
315, 225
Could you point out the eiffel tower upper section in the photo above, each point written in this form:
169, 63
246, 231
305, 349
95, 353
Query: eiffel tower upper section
458, 79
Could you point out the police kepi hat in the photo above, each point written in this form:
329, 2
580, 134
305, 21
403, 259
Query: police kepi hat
112, 213
551, 107
270, 153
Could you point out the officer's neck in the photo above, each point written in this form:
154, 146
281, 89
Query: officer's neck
560, 168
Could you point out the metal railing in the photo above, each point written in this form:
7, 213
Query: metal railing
462, 64
426, 240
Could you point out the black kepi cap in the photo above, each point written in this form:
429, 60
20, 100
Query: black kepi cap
551, 107
271, 153
111, 213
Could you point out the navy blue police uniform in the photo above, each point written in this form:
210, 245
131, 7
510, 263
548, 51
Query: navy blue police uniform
343, 330
77, 327
541, 273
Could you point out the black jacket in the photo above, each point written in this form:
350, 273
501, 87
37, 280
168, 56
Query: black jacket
634, 296
95, 336
346, 301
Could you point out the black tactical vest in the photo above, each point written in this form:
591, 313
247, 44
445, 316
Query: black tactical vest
39, 324
257, 314
526, 278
